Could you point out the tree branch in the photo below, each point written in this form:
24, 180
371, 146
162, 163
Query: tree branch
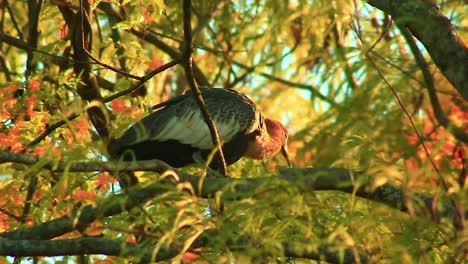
306, 179
187, 57
429, 80
12, 13
436, 33
314, 90
85, 245
143, 252
81, 40
34, 9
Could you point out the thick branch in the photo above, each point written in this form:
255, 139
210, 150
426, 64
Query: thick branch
436, 33
88, 88
143, 252
307, 179
79, 246
429, 80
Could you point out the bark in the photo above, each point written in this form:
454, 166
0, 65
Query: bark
436, 33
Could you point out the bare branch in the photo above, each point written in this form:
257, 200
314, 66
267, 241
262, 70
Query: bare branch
112, 68
194, 87
436, 33
34, 9
429, 81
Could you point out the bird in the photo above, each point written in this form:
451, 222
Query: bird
177, 134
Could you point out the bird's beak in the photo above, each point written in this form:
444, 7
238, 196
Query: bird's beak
285, 154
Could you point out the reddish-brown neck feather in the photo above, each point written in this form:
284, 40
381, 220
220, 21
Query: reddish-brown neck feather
267, 144
276, 130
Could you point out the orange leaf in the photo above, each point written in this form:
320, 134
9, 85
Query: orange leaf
103, 181
95, 229
147, 19
10, 89
412, 163
81, 195
154, 64
34, 85
63, 31
118, 106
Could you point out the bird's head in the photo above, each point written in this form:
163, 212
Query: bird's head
279, 134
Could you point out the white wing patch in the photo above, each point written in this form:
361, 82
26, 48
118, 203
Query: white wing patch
191, 129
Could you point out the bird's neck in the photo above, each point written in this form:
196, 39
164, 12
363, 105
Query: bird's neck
267, 143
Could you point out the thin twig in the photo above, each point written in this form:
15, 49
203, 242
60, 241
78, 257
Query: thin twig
126, 74
50, 128
152, 38
143, 80
426, 150
408, 115
314, 90
12, 13
5, 212
34, 9
429, 81
187, 5
29, 196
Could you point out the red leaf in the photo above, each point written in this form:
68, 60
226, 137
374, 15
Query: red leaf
118, 106
147, 19
34, 85
154, 64
81, 195
63, 32
412, 163
103, 181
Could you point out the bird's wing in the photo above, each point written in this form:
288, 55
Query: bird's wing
232, 115
183, 121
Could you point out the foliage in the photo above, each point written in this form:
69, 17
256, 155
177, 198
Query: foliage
342, 76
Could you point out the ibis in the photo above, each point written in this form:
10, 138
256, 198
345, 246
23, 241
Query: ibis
177, 134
